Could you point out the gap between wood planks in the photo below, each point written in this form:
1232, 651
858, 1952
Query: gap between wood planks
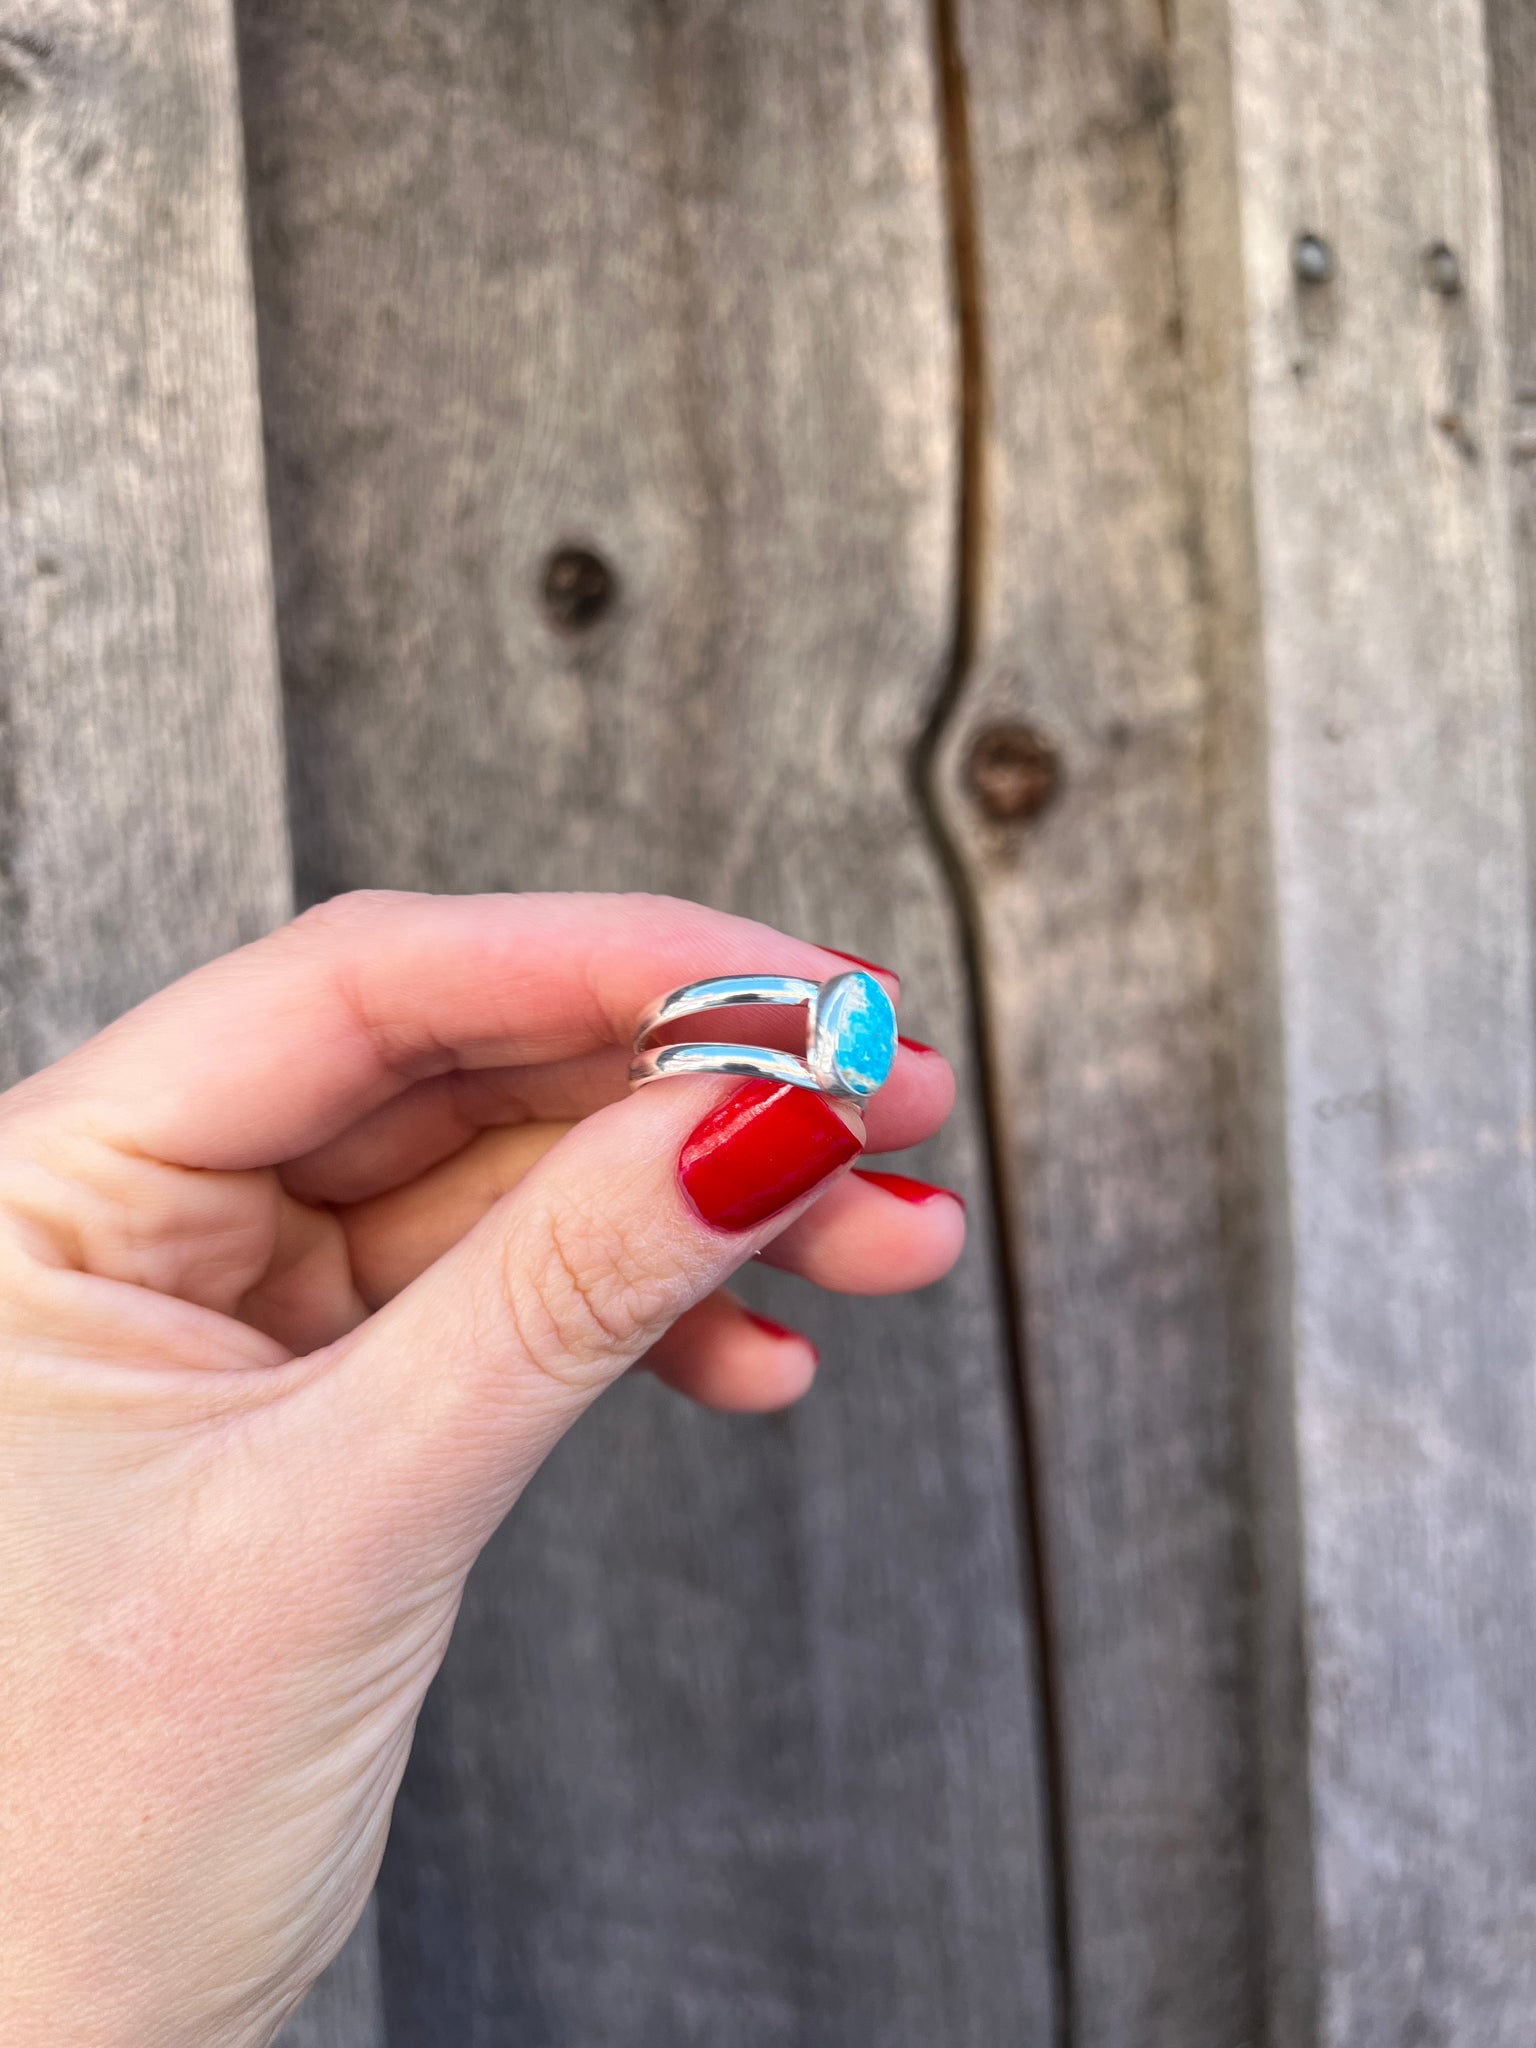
970, 545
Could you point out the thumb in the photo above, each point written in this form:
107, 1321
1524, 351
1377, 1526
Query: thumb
468, 1378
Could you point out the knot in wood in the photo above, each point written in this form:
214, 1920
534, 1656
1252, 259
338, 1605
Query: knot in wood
578, 588
1013, 772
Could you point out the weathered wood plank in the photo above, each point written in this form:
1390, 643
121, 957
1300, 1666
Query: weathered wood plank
1512, 63
141, 817
1095, 916
1377, 969
1512, 67
736, 1740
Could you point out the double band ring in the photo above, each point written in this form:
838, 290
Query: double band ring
850, 1033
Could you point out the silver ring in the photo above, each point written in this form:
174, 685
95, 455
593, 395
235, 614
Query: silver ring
850, 1033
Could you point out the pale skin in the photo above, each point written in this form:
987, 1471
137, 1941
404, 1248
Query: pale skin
304, 1268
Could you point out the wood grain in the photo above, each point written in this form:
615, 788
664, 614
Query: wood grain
1512, 65
1376, 971
737, 1739
141, 821
1512, 71
1095, 921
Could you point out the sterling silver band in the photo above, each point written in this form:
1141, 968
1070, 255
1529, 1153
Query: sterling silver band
723, 992
752, 1062
850, 1033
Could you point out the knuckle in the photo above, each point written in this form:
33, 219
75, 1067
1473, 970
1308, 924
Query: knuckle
581, 1301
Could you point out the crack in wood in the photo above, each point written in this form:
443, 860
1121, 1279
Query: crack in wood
970, 561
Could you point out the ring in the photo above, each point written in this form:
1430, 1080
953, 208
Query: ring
850, 1033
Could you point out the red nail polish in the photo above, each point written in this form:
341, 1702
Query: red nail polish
771, 1328
760, 1151
908, 1189
872, 965
914, 1045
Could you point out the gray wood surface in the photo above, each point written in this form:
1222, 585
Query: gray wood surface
1376, 971
1512, 66
1512, 62
1095, 924
737, 1738
746, 1734
141, 824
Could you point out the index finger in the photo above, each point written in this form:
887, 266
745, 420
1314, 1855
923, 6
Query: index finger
273, 1050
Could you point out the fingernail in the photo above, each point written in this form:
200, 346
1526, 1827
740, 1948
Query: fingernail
909, 1190
914, 1045
873, 965
767, 1146
779, 1331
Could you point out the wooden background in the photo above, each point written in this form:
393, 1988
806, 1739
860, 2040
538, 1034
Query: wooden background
978, 472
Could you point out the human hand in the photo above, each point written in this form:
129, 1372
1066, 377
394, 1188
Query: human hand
305, 1266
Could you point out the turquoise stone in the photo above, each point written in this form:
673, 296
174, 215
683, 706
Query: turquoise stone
856, 1033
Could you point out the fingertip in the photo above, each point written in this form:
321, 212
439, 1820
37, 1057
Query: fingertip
915, 1102
931, 1065
874, 1233
786, 1370
769, 1145
729, 1358
902, 1185
943, 1210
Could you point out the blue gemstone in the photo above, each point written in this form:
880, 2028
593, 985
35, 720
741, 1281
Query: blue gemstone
858, 1026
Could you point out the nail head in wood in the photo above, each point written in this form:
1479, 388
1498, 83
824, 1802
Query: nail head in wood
1013, 772
1311, 259
1442, 270
579, 588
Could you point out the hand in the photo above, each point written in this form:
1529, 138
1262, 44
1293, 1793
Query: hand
304, 1267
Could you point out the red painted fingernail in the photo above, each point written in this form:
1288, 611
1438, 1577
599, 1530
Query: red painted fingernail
914, 1045
908, 1189
772, 1329
872, 965
760, 1151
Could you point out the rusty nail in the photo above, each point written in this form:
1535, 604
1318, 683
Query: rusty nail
1442, 270
578, 588
1013, 772
1311, 259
